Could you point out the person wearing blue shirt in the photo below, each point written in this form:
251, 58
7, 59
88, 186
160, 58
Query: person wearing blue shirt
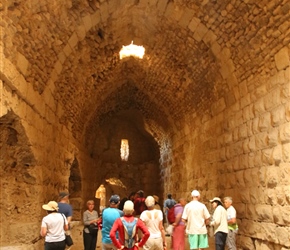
64, 206
168, 203
109, 215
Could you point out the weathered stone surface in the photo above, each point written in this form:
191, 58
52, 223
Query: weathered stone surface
207, 108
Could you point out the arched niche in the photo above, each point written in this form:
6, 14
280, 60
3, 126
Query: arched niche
20, 185
75, 190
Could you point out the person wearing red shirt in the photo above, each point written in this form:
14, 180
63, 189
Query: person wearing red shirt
119, 227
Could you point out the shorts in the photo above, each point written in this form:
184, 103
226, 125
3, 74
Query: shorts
197, 241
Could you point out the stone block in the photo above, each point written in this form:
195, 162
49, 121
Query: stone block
257, 195
218, 107
273, 137
21, 86
264, 213
8, 69
243, 132
278, 116
226, 68
245, 101
67, 50
104, 11
200, 32
277, 155
185, 18
269, 233
282, 234
261, 140
265, 121
209, 38
286, 152
262, 176
285, 132
22, 63
282, 58
259, 92
87, 21
96, 18
246, 148
261, 246
270, 197
259, 107
193, 24
248, 177
73, 40
287, 108
252, 144
247, 243
239, 118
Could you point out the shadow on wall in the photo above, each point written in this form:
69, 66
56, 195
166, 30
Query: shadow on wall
75, 190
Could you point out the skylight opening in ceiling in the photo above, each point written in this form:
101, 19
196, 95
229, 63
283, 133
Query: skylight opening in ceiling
132, 50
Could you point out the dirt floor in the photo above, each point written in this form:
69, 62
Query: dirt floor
77, 236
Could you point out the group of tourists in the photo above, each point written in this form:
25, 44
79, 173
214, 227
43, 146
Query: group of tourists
195, 220
138, 222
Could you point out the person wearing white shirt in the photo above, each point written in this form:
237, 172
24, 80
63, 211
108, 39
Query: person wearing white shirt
196, 216
153, 219
220, 224
53, 227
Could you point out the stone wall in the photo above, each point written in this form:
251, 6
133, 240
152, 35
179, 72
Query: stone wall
212, 92
35, 162
241, 151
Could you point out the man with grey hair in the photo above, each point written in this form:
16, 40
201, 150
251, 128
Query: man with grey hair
153, 220
232, 223
197, 217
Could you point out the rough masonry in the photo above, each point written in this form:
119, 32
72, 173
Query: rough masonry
207, 108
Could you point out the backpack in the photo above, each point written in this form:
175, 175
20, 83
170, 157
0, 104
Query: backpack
130, 231
171, 215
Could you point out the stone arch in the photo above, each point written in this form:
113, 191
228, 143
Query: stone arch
75, 189
200, 32
20, 178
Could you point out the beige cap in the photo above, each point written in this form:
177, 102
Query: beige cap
150, 201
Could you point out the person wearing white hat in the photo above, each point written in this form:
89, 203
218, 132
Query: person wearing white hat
220, 223
196, 215
53, 227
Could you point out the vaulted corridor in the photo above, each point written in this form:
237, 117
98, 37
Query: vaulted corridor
207, 108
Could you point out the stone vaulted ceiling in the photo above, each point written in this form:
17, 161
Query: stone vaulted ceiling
196, 52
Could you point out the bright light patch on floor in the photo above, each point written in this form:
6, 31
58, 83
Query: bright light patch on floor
132, 50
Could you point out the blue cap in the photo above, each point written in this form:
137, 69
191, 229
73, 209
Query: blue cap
115, 199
